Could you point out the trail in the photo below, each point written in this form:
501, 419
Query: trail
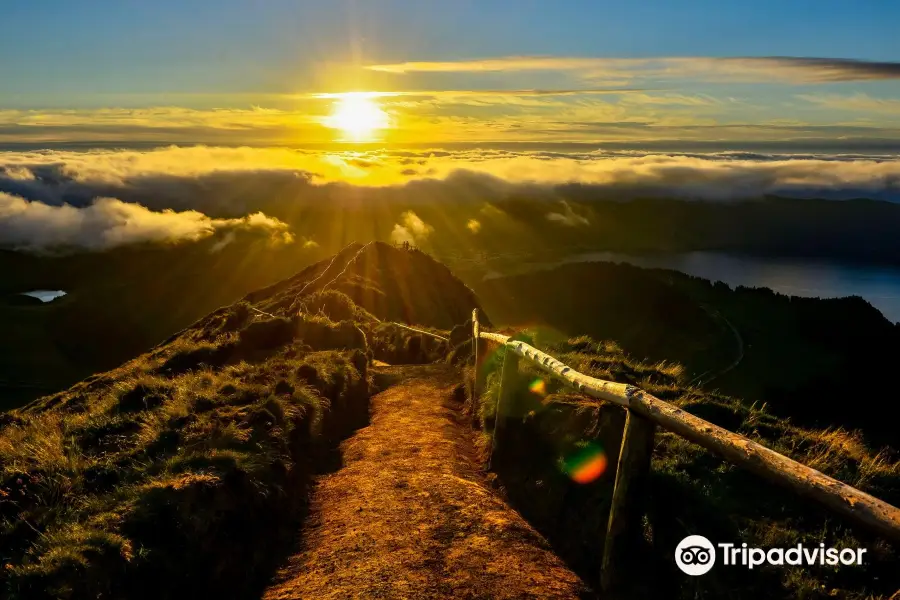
706, 377
409, 515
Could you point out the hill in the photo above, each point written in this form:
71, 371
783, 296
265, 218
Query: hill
185, 471
551, 433
802, 357
118, 304
173, 474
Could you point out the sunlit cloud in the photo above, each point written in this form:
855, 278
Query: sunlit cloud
230, 183
411, 229
602, 115
34, 226
567, 217
763, 69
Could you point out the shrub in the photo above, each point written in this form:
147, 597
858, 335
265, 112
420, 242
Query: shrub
323, 334
268, 334
335, 305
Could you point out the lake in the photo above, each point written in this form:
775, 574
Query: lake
45, 295
879, 285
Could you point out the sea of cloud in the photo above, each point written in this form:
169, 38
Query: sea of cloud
97, 199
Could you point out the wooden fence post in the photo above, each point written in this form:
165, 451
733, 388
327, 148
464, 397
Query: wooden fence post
624, 528
476, 348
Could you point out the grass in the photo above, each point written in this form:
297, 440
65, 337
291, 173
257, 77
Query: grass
803, 357
170, 476
691, 490
179, 473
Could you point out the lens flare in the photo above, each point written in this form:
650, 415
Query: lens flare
587, 464
538, 387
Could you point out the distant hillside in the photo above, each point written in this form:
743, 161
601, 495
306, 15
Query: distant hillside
119, 304
803, 357
646, 315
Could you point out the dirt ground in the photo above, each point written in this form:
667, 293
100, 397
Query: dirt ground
410, 516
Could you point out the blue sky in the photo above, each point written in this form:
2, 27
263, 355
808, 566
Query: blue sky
132, 69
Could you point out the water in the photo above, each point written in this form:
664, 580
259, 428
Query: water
45, 295
880, 286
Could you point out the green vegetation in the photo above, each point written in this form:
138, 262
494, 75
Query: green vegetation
122, 302
691, 491
171, 475
178, 474
802, 357
119, 303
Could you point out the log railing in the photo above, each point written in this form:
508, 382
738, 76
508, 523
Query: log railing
644, 413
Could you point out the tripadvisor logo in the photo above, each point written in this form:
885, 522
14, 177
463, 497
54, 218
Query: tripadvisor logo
696, 555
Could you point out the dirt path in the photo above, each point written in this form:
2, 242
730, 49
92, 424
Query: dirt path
409, 516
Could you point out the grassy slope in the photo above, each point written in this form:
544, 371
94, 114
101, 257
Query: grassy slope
803, 357
172, 475
691, 491
120, 303
141, 479
165, 476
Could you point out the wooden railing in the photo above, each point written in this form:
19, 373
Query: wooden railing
422, 331
644, 413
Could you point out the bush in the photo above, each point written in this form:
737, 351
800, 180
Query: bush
268, 334
323, 334
335, 305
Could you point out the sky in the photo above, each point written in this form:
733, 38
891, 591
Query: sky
802, 74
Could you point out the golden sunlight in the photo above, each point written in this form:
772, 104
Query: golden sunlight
358, 116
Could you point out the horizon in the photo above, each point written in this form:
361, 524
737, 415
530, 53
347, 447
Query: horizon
182, 119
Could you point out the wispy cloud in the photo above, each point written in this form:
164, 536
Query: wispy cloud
508, 63
480, 93
762, 69
855, 102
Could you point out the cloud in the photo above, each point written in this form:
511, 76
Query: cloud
411, 229
671, 100
230, 183
764, 69
33, 226
660, 108
224, 241
856, 102
487, 93
568, 217
473, 225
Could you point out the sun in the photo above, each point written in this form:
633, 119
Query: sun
358, 116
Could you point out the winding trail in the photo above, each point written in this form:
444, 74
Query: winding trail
707, 376
409, 515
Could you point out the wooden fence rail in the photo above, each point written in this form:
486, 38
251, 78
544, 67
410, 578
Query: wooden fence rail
644, 413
